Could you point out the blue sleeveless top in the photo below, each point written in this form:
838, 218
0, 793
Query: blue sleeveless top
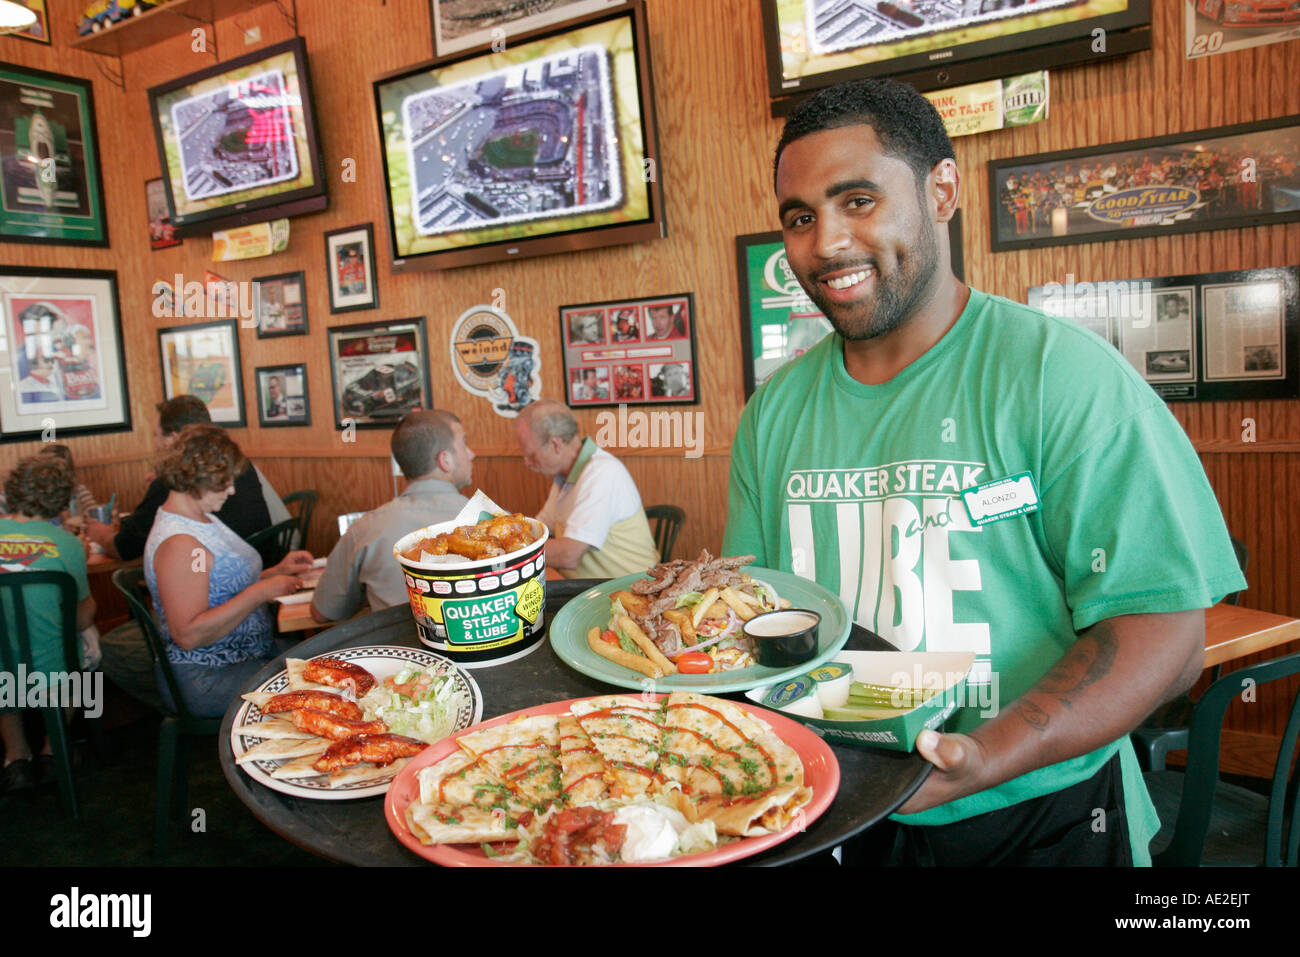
235, 566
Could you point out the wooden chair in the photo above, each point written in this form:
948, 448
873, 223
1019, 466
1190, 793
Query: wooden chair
16, 590
1219, 823
178, 728
307, 497
668, 520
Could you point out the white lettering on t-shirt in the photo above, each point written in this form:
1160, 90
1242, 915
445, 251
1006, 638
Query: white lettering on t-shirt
891, 545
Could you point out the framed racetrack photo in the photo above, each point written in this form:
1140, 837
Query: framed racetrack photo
203, 360
350, 263
630, 352
51, 186
463, 24
161, 232
282, 395
62, 365
379, 372
280, 305
1222, 178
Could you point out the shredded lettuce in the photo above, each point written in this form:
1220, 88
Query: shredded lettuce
688, 598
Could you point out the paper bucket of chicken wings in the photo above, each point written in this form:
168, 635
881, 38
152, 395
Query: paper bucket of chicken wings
477, 584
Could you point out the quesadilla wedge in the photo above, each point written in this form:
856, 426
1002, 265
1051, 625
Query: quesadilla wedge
582, 768
523, 755
626, 731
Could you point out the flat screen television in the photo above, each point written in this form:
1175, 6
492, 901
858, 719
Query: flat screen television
939, 43
546, 146
237, 141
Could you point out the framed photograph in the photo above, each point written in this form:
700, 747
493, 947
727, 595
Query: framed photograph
282, 395
1211, 27
203, 360
1211, 337
280, 305
777, 319
40, 30
462, 24
51, 186
62, 367
350, 262
630, 351
1223, 178
379, 372
161, 232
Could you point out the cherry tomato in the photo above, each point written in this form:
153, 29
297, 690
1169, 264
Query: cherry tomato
610, 637
694, 663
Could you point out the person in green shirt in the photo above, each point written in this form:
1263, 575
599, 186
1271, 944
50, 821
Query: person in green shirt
1083, 604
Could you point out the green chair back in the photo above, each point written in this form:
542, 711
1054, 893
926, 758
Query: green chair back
1205, 733
308, 497
178, 727
17, 591
281, 534
131, 583
668, 520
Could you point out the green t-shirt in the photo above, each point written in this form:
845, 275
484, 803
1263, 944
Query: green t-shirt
856, 486
41, 546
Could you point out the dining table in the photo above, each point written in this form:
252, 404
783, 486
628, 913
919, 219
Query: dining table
873, 782
1233, 631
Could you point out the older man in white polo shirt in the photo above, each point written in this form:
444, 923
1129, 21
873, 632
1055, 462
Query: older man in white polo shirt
598, 525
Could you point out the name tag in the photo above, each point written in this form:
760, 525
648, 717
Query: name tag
1001, 499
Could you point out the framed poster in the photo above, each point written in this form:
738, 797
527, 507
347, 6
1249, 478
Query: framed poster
1223, 178
630, 351
62, 368
51, 190
282, 395
280, 305
350, 262
777, 319
203, 360
40, 30
464, 24
161, 232
1211, 337
379, 372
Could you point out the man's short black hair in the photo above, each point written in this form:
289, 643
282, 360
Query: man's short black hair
182, 410
906, 123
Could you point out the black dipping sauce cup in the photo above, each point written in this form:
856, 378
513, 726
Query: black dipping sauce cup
784, 638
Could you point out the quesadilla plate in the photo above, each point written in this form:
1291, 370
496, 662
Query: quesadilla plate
605, 731
283, 763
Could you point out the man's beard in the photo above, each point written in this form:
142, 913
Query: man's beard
895, 298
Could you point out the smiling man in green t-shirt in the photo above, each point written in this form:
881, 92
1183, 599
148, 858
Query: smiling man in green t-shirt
1084, 611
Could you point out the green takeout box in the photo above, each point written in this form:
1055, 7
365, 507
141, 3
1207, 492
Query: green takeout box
945, 672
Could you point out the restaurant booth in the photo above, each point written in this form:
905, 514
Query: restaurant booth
653, 320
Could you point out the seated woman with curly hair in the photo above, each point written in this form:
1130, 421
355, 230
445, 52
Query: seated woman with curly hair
36, 491
207, 583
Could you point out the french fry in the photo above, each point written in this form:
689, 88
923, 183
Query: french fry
633, 631
733, 599
620, 657
682, 619
717, 610
703, 606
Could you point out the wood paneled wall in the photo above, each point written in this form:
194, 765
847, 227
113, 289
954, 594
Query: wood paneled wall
716, 138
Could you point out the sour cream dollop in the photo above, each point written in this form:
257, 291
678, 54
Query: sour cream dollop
651, 835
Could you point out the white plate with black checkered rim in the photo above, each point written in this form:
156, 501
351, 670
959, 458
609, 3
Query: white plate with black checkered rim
381, 661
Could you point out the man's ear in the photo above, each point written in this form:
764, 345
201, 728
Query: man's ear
445, 461
944, 190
